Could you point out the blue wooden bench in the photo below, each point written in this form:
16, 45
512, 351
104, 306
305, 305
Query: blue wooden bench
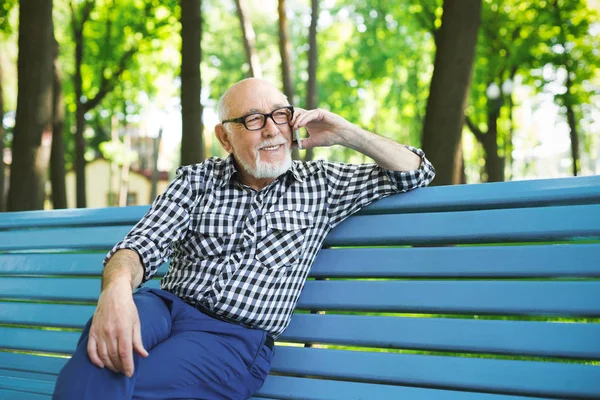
486, 291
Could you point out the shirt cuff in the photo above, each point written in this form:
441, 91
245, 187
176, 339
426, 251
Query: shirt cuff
409, 180
144, 254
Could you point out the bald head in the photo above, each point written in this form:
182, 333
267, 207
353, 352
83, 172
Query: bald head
244, 96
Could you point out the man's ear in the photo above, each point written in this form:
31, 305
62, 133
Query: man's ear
223, 137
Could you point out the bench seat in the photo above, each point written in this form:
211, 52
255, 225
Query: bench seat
483, 292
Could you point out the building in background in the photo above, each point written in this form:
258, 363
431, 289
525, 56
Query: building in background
104, 185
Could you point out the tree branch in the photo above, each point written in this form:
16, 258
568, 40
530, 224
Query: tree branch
108, 84
473, 128
107, 39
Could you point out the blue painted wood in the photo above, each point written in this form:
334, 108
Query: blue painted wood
284, 387
25, 375
532, 193
6, 394
45, 314
460, 262
52, 264
550, 379
31, 363
580, 298
49, 341
73, 217
455, 335
568, 340
547, 210
576, 260
516, 194
488, 226
574, 298
73, 264
29, 386
92, 238
55, 289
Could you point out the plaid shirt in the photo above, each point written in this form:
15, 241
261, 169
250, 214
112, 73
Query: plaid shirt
244, 254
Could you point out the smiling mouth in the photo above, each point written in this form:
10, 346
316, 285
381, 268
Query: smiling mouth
272, 148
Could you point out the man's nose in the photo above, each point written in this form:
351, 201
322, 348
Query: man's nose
271, 128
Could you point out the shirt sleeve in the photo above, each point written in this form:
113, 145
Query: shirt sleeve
165, 223
354, 186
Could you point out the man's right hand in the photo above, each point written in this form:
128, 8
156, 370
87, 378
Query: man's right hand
115, 332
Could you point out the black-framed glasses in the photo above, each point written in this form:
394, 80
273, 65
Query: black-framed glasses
257, 121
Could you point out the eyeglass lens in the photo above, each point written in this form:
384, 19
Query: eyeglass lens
257, 121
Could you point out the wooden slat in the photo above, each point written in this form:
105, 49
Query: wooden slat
54, 289
52, 264
577, 298
73, 217
532, 193
37, 376
573, 260
559, 260
31, 388
38, 340
89, 238
487, 226
573, 381
548, 339
45, 314
72, 264
6, 394
527, 338
568, 298
31, 363
286, 387
515, 194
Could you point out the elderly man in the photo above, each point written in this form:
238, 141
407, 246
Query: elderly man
242, 234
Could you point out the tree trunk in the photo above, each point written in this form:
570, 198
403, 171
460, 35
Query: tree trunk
285, 51
312, 92
155, 172
192, 141
573, 132
57, 153
461, 176
77, 28
124, 185
494, 164
2, 133
449, 88
249, 38
34, 106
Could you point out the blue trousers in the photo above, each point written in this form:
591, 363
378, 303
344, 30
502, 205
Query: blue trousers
192, 356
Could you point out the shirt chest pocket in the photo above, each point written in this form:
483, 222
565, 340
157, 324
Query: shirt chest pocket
213, 233
283, 241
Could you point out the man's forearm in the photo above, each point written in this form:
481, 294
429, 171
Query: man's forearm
387, 153
124, 267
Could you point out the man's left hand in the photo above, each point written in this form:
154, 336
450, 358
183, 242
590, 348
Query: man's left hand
324, 128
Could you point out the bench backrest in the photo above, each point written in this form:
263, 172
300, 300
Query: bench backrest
489, 288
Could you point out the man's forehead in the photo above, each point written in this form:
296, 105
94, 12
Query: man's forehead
272, 107
254, 96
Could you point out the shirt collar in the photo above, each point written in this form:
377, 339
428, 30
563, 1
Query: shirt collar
226, 173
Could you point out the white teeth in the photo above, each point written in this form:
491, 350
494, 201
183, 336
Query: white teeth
271, 148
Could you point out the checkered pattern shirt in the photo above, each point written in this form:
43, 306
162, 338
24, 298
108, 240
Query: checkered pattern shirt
243, 254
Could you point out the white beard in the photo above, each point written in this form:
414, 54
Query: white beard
265, 170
